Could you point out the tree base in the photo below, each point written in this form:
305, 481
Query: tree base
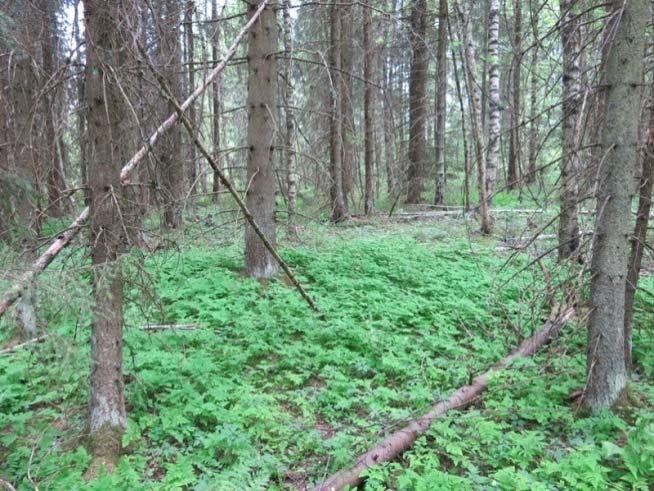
105, 445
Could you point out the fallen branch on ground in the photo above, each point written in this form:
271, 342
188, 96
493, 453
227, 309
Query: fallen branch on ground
170, 327
15, 347
63, 240
400, 441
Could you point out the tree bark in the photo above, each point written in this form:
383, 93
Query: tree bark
571, 40
106, 116
441, 103
345, 89
170, 155
533, 97
63, 240
475, 114
338, 203
57, 204
215, 100
513, 165
368, 105
417, 100
494, 124
191, 172
607, 376
262, 106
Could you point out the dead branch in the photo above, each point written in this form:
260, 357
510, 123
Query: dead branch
400, 441
170, 327
15, 347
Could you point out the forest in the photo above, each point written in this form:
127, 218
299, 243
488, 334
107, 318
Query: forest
326, 245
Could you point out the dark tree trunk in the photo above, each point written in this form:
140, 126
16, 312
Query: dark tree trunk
105, 37
417, 99
347, 110
192, 114
170, 155
533, 97
368, 105
441, 103
262, 106
516, 109
215, 99
338, 205
571, 39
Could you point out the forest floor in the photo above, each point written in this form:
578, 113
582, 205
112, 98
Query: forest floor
259, 393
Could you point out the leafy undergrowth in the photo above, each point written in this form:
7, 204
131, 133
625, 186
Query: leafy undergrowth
263, 395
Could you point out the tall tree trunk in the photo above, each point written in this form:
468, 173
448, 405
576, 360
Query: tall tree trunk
191, 172
639, 238
106, 116
571, 40
345, 89
417, 99
289, 102
387, 119
339, 208
475, 114
607, 375
514, 138
494, 123
170, 155
262, 106
368, 105
215, 100
533, 97
54, 170
441, 102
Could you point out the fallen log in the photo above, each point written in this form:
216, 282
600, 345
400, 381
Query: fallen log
170, 327
64, 239
29, 342
400, 441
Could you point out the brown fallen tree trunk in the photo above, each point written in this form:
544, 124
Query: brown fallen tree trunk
400, 441
42, 262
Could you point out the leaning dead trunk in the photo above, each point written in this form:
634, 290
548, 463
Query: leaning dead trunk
262, 106
607, 376
400, 441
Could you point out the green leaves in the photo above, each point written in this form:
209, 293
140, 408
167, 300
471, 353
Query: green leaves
262, 388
